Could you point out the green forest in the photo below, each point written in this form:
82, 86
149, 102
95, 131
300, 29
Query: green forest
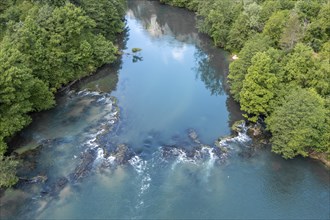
282, 74
45, 44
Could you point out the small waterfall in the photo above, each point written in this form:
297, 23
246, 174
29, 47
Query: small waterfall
181, 157
242, 137
203, 156
91, 142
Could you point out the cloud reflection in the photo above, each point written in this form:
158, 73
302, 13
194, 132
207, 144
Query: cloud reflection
178, 53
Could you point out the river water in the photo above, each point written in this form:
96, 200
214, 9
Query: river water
137, 140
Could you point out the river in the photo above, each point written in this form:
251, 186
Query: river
137, 140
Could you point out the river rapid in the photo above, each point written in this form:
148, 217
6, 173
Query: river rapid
140, 139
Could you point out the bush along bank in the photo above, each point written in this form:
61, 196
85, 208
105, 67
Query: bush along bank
281, 74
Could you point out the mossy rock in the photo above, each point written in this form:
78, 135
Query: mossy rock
237, 126
136, 49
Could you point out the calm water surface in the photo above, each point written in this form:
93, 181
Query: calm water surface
151, 101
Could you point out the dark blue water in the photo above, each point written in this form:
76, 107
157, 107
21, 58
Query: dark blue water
168, 104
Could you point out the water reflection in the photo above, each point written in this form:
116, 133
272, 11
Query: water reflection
211, 64
160, 22
207, 74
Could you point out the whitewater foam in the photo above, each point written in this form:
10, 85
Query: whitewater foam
242, 137
141, 167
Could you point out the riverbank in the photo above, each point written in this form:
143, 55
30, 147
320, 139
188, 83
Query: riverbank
42, 57
261, 138
323, 157
261, 79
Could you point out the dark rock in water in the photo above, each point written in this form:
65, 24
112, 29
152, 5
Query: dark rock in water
60, 184
190, 153
45, 190
218, 152
52, 142
85, 166
248, 152
123, 154
147, 143
46, 142
35, 179
38, 179
167, 151
193, 136
55, 188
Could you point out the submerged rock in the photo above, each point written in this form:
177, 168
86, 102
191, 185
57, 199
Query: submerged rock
36, 179
193, 136
61, 183
122, 154
85, 166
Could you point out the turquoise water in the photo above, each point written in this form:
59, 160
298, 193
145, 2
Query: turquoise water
168, 104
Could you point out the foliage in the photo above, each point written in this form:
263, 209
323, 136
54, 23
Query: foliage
7, 171
108, 16
292, 32
217, 18
318, 32
44, 45
238, 69
298, 125
190, 4
275, 25
258, 87
282, 73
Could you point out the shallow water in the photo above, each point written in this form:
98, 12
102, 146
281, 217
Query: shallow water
170, 106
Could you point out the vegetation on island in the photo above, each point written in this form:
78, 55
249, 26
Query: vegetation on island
282, 74
44, 44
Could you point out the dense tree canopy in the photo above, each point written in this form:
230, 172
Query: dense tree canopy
283, 71
44, 45
298, 125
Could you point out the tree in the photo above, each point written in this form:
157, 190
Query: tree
238, 68
292, 32
268, 8
53, 2
107, 16
59, 45
300, 66
318, 32
308, 9
275, 25
20, 92
320, 80
252, 14
216, 18
258, 87
239, 33
7, 171
298, 124
4, 4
